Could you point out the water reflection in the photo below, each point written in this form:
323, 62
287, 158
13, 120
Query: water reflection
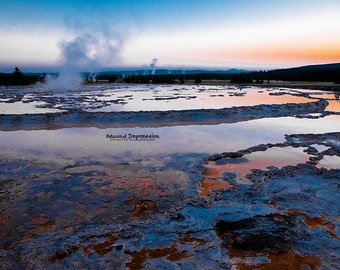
223, 173
334, 106
110, 98
93, 142
240, 167
329, 162
20, 107
181, 99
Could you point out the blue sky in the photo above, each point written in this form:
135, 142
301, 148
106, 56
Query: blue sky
212, 34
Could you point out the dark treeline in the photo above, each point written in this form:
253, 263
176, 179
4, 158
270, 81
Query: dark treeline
108, 77
316, 73
138, 79
176, 78
156, 79
18, 78
241, 78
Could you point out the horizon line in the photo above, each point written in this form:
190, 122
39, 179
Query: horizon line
60, 68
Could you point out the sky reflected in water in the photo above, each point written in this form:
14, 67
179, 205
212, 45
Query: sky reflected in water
209, 139
114, 97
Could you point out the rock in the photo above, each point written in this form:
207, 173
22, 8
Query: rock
273, 232
140, 206
228, 176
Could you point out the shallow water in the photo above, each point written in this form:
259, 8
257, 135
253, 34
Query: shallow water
329, 162
195, 98
94, 144
20, 107
99, 98
334, 106
239, 168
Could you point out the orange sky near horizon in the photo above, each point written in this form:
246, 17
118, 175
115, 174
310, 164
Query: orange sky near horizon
285, 54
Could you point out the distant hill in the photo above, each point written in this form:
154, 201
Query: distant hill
165, 71
167, 75
312, 73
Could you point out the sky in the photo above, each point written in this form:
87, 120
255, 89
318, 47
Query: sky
97, 35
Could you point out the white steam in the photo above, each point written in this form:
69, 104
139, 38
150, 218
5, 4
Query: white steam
91, 49
153, 64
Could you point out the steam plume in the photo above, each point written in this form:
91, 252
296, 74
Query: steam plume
153, 65
91, 49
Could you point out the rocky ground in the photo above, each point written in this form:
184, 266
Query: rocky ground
248, 209
60, 214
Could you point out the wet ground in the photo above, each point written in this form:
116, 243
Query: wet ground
159, 177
